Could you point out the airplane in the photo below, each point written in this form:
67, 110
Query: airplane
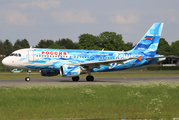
72, 63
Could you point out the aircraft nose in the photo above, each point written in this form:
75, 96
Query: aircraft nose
5, 61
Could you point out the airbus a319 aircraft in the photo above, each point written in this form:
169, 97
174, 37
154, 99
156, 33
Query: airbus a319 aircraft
72, 63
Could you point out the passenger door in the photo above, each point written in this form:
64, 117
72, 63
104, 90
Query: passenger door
31, 55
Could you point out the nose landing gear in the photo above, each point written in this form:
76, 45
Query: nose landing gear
27, 79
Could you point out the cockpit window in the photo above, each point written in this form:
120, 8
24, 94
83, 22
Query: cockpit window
11, 54
15, 54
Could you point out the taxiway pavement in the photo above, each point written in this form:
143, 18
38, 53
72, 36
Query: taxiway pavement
82, 81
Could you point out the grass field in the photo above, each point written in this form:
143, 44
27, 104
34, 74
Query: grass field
126, 73
152, 100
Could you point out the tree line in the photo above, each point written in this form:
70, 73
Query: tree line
106, 40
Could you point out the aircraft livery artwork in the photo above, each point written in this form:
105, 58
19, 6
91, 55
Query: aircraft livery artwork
72, 63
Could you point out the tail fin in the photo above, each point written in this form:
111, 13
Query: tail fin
149, 43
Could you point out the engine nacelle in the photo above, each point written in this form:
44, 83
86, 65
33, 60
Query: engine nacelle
49, 72
70, 70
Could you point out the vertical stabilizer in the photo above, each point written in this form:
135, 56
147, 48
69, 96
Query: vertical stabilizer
149, 43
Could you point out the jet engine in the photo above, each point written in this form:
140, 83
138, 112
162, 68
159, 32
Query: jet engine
49, 72
70, 70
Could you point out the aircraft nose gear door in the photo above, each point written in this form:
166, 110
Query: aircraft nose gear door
31, 55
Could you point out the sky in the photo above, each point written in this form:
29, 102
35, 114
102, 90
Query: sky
56, 19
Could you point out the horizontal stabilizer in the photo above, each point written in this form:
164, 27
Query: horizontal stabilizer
152, 58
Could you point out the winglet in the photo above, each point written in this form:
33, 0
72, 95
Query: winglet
139, 57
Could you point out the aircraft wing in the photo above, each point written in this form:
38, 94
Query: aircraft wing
106, 62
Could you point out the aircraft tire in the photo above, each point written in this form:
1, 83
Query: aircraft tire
27, 79
89, 78
76, 78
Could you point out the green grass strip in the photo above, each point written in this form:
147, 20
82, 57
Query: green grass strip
153, 100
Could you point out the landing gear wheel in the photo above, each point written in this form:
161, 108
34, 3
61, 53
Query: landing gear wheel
90, 78
76, 78
27, 79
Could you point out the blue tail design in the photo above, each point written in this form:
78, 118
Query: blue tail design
149, 43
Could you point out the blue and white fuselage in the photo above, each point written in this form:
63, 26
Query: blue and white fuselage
72, 63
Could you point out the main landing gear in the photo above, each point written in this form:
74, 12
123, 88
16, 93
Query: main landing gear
88, 78
75, 78
27, 79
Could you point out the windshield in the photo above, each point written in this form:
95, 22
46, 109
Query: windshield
15, 54
11, 54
